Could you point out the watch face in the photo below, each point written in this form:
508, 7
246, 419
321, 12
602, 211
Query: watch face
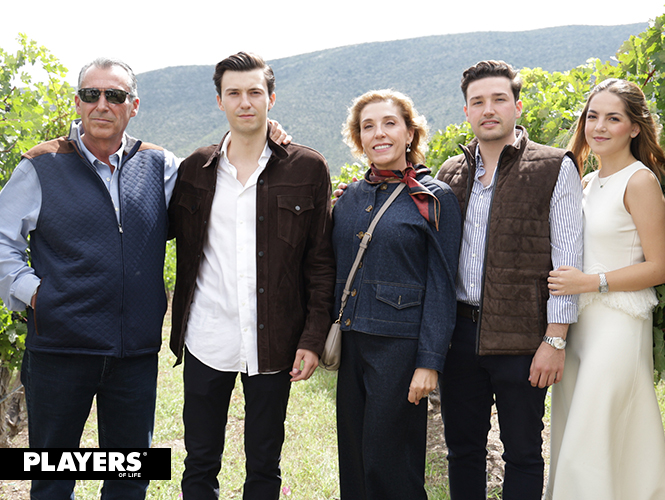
559, 343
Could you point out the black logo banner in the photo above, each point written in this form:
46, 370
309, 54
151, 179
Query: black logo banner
85, 463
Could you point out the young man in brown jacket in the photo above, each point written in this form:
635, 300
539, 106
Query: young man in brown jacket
255, 280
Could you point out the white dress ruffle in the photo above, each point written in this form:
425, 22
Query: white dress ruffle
637, 304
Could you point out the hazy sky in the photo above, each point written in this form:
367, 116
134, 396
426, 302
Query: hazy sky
153, 35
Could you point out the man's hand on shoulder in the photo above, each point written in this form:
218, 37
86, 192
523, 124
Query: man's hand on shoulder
304, 365
341, 187
278, 134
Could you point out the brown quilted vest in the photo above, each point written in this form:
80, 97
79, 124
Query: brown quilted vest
513, 307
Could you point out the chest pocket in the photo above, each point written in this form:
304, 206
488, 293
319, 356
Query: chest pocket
190, 202
186, 222
293, 218
400, 297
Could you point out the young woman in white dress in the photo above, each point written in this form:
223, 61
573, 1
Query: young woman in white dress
607, 439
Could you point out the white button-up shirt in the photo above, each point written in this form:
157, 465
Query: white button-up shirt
221, 330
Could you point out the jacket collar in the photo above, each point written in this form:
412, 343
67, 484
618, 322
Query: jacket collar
278, 150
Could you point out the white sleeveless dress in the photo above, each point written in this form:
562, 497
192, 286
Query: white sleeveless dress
607, 440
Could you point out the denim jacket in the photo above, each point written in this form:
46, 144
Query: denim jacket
405, 286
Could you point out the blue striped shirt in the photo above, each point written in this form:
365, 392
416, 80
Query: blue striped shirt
565, 237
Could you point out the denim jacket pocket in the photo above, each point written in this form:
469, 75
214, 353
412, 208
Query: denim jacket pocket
399, 296
293, 218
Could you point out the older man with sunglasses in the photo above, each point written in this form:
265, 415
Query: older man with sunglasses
94, 207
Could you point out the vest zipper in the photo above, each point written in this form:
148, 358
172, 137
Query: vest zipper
487, 232
122, 263
125, 157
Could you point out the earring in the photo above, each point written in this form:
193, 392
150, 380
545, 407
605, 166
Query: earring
408, 148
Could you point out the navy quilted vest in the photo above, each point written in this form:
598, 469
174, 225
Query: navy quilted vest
102, 288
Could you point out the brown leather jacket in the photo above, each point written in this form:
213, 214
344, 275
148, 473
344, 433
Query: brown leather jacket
295, 261
513, 307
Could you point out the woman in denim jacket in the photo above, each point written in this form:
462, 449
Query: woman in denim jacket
400, 315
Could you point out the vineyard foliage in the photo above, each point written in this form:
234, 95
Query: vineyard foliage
36, 103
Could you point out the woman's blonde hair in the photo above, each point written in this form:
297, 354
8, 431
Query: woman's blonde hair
414, 121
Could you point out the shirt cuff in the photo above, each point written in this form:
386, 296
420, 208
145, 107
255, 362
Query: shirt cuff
562, 309
24, 290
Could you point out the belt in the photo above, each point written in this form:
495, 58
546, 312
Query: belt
468, 311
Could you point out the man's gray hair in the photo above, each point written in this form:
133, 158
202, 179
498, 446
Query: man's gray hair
106, 63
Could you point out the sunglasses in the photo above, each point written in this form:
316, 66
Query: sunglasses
113, 96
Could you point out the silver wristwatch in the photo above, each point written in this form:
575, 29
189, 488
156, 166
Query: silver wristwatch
556, 342
603, 287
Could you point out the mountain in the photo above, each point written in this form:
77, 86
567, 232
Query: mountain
178, 109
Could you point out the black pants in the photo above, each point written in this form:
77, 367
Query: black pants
469, 385
207, 395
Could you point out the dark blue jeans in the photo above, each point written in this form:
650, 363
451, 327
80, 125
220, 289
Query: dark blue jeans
469, 386
207, 396
59, 390
382, 437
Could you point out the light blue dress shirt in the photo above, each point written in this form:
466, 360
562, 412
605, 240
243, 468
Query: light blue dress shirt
20, 205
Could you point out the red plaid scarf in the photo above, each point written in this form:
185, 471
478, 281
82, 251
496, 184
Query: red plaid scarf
428, 204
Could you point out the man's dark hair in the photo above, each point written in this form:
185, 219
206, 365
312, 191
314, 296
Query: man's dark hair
243, 61
486, 69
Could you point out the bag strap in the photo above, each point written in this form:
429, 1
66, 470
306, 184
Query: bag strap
367, 237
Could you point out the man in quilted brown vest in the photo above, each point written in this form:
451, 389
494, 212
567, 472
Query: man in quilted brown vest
521, 203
